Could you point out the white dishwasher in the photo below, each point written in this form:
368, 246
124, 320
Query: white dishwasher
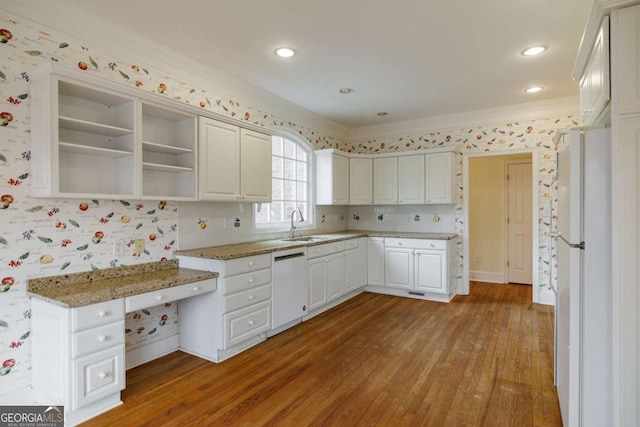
289, 288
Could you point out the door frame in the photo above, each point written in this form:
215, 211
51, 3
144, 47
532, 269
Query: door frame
465, 287
506, 163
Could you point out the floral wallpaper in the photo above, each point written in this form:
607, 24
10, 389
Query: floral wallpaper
44, 237
509, 136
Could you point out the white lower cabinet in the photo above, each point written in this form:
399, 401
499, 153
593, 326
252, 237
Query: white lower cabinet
78, 357
235, 317
334, 270
375, 261
418, 267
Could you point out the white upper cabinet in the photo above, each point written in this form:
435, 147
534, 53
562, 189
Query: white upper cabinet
411, 180
332, 178
83, 139
595, 81
360, 181
255, 166
385, 181
235, 164
168, 154
628, 66
440, 173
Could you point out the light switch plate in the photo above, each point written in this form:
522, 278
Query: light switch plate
138, 246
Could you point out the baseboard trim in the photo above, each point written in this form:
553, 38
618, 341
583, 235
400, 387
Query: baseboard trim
151, 351
487, 276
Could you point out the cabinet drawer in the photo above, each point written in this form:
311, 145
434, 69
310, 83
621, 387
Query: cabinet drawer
415, 243
97, 376
97, 339
324, 249
351, 244
246, 323
246, 264
246, 298
246, 281
174, 293
93, 315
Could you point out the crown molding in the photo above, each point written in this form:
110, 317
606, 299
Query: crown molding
111, 39
485, 117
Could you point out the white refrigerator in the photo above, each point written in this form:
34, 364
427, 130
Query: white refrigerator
583, 307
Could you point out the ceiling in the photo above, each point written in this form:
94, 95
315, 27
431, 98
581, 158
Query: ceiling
410, 58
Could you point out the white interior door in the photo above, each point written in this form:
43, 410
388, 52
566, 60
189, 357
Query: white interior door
519, 223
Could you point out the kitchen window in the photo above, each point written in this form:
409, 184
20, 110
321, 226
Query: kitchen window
291, 186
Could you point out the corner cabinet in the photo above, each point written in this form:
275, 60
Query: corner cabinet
235, 163
332, 178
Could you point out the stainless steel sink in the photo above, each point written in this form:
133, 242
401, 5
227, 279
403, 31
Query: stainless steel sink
305, 239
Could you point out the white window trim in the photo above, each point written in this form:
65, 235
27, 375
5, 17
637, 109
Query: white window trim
309, 220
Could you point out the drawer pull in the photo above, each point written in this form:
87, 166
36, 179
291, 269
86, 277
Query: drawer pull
250, 280
102, 313
250, 263
103, 375
103, 338
251, 297
196, 288
251, 322
160, 297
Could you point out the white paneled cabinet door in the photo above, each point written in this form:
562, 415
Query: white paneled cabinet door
628, 60
335, 274
351, 269
360, 181
363, 242
440, 178
219, 151
332, 178
411, 180
385, 181
431, 271
399, 270
340, 180
318, 279
375, 257
255, 166
594, 84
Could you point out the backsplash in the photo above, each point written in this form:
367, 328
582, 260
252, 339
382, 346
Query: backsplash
414, 218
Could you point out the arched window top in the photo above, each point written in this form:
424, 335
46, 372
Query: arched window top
292, 166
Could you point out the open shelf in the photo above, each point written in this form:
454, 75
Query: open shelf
91, 127
165, 168
163, 148
89, 150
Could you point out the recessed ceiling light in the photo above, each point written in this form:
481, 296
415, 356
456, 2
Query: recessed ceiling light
285, 52
382, 113
346, 90
533, 89
533, 51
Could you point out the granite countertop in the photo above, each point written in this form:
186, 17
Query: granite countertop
78, 289
240, 250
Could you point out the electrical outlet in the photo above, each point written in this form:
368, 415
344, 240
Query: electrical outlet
118, 247
138, 246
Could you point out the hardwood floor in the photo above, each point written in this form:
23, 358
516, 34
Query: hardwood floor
482, 360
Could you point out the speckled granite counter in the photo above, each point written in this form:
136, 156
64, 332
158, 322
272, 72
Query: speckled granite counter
78, 289
267, 246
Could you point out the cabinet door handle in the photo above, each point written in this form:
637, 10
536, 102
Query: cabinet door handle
102, 338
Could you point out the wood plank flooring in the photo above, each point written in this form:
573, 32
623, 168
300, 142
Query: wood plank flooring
482, 360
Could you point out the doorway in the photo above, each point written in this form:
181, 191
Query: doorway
504, 246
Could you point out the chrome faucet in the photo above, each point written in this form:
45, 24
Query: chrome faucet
293, 227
